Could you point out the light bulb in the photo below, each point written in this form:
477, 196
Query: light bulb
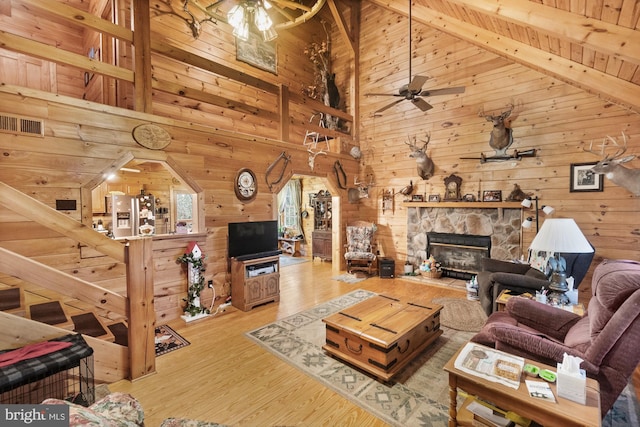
235, 17
242, 32
269, 35
261, 19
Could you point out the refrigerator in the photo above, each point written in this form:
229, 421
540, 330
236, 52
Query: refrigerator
133, 215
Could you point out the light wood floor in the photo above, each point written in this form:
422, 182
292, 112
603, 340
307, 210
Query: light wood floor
223, 377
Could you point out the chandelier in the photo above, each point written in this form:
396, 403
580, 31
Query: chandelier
243, 13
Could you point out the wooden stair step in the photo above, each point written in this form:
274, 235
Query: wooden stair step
12, 301
51, 313
120, 332
90, 324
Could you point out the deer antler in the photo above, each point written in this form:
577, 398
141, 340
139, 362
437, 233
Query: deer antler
619, 152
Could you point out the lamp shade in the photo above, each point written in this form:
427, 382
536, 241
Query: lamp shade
561, 235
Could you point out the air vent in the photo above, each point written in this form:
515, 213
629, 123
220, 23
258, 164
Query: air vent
21, 126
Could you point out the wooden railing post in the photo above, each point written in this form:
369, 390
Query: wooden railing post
142, 316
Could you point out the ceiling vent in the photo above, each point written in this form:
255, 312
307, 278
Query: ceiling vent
21, 125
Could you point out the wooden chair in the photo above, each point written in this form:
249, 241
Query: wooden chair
360, 254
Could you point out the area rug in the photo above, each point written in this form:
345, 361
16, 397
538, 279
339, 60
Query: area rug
461, 314
349, 278
420, 395
168, 340
286, 261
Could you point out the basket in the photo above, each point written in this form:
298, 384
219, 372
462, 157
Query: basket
431, 274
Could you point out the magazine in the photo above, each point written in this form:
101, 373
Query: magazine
490, 364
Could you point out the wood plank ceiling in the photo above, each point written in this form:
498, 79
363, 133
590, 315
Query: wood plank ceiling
592, 44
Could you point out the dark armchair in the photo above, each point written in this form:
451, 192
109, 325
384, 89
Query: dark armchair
606, 337
498, 275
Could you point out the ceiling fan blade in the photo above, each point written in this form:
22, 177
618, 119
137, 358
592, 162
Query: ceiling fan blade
443, 91
421, 104
416, 83
388, 106
382, 94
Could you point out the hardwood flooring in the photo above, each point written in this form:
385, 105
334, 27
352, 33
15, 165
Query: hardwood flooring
223, 377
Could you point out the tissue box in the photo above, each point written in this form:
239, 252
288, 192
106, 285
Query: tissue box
572, 386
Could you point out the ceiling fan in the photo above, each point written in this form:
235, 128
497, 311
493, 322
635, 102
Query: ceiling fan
413, 90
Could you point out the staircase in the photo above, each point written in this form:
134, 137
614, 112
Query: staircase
56, 313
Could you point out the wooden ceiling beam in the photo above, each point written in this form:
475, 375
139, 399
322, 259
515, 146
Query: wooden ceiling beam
601, 36
593, 81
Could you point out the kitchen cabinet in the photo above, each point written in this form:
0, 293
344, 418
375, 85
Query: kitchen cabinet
98, 199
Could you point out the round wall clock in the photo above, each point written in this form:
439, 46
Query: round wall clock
245, 185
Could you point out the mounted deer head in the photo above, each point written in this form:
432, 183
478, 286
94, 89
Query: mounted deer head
362, 187
501, 136
611, 165
424, 163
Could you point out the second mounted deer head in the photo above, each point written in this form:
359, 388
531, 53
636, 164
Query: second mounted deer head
424, 163
611, 165
501, 136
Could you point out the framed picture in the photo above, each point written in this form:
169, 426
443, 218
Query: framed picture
434, 197
257, 53
469, 197
417, 198
492, 196
584, 179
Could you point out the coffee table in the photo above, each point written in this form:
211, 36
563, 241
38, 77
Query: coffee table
380, 335
561, 413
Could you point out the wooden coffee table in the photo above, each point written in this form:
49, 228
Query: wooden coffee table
561, 413
382, 334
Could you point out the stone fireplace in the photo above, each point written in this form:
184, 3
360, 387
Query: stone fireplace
498, 227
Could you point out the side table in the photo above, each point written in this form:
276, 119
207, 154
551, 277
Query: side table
504, 296
564, 412
290, 246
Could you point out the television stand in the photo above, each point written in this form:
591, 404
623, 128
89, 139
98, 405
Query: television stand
255, 282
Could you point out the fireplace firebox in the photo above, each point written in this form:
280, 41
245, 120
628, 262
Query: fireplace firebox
460, 255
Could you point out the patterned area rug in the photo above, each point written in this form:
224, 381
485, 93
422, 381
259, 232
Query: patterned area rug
420, 395
286, 261
168, 340
418, 398
461, 314
350, 278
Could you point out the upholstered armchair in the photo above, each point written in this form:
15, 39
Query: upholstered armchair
497, 276
606, 337
360, 254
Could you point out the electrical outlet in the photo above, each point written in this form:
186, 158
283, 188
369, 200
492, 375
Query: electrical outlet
210, 284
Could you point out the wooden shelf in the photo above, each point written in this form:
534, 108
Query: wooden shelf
464, 205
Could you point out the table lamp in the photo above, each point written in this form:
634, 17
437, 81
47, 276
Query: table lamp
560, 235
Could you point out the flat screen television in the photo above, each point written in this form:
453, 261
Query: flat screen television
249, 240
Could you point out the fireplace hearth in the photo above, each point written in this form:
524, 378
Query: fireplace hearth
460, 255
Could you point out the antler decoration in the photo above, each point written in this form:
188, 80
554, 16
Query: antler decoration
192, 22
312, 157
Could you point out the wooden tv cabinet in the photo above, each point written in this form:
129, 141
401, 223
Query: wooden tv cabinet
255, 282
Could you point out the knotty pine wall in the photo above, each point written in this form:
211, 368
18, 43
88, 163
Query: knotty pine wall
553, 117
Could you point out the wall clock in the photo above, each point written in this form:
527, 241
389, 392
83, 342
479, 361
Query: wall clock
245, 185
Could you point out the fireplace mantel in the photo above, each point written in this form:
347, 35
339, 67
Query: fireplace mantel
464, 205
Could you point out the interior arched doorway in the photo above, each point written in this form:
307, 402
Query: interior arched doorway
177, 199
312, 185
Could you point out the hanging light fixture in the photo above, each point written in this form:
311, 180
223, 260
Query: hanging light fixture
240, 15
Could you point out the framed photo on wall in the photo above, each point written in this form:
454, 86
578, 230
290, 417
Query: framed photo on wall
584, 179
417, 198
257, 53
434, 197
